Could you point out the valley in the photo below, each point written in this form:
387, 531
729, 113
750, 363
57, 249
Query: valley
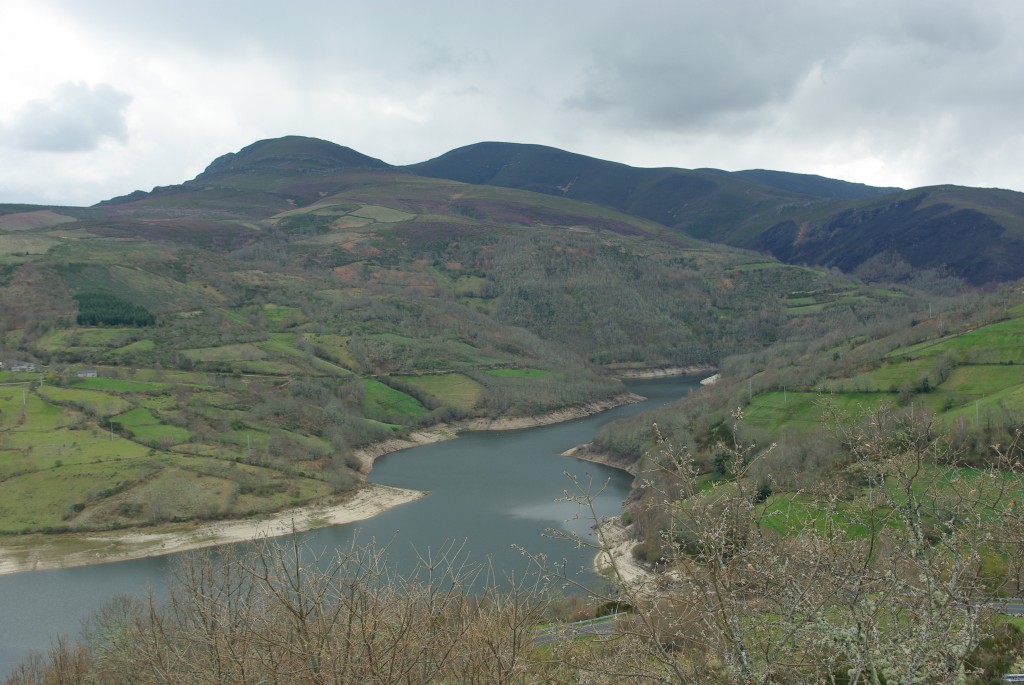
211, 360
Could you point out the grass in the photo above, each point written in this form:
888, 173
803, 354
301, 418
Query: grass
788, 514
147, 429
30, 451
38, 415
382, 214
992, 344
91, 402
226, 353
801, 411
519, 373
383, 402
889, 376
453, 389
40, 500
279, 317
26, 244
120, 385
135, 348
980, 380
332, 347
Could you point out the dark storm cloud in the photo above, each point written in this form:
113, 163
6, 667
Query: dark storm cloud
76, 118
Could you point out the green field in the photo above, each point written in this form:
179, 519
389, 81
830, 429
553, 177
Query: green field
92, 402
146, 428
279, 317
226, 353
139, 347
331, 347
452, 389
384, 403
519, 373
120, 385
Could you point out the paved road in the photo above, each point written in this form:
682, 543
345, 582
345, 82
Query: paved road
572, 631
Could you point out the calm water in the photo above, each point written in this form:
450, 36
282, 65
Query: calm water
492, 490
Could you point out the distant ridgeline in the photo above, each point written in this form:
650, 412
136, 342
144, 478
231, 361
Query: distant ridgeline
101, 309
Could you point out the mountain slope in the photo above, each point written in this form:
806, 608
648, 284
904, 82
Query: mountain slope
262, 322
972, 233
976, 234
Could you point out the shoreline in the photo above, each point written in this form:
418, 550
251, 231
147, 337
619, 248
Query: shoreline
38, 551
638, 374
585, 452
89, 548
450, 431
616, 558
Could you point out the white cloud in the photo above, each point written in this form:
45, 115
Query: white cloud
906, 92
76, 118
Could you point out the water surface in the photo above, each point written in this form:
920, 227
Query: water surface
491, 492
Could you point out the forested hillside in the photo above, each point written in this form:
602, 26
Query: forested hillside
972, 233
251, 329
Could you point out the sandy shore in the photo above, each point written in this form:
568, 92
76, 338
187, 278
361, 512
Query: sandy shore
618, 545
586, 452
663, 373
38, 552
80, 549
444, 431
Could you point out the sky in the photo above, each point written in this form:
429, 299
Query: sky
103, 97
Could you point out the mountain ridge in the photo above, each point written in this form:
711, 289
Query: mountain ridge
977, 234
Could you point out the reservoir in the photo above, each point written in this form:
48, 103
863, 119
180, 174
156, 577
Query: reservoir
493, 493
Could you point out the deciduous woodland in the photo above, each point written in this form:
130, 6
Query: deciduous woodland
841, 506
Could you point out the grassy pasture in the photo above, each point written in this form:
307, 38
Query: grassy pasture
453, 389
26, 244
382, 214
41, 499
120, 385
788, 514
138, 347
268, 368
281, 343
979, 380
889, 377
383, 402
91, 402
25, 451
802, 411
279, 317
993, 344
519, 373
146, 428
226, 353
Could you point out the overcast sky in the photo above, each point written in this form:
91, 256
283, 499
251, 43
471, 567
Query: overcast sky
102, 97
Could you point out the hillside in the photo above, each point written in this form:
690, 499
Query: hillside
252, 328
973, 233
